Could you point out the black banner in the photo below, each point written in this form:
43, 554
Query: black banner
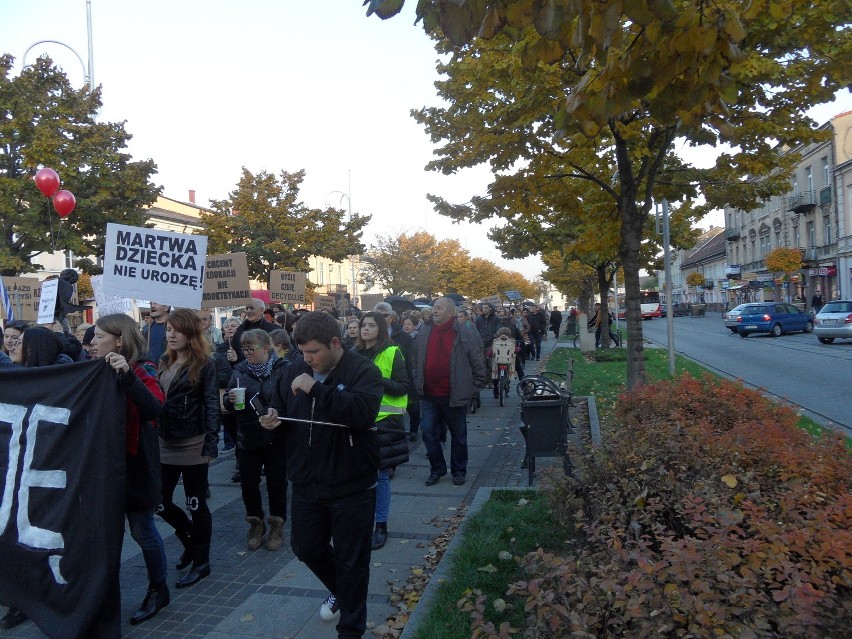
62, 509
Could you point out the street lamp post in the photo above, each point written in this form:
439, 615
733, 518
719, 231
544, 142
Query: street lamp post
88, 71
351, 257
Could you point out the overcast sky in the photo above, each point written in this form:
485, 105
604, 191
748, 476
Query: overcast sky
209, 86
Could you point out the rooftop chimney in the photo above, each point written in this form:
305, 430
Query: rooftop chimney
192, 196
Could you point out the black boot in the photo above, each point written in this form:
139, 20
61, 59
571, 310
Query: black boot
380, 535
156, 598
186, 555
13, 618
200, 567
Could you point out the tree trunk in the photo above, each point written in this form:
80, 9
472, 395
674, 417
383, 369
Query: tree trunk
632, 224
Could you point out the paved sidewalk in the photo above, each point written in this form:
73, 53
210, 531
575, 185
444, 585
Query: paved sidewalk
271, 594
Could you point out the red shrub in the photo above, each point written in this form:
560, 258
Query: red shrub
707, 513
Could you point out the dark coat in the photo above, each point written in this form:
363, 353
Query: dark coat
393, 440
144, 489
487, 325
467, 365
327, 462
555, 321
250, 434
191, 410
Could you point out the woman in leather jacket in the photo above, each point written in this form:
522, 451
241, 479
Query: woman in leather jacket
257, 447
189, 437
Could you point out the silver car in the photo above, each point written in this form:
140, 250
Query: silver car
729, 318
834, 321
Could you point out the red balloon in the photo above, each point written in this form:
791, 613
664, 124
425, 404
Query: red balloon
47, 181
64, 202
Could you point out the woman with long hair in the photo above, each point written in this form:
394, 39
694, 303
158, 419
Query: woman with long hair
374, 343
119, 341
258, 448
189, 437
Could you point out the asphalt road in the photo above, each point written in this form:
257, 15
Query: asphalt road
795, 366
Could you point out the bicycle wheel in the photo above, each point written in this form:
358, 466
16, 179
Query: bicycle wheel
576, 341
502, 390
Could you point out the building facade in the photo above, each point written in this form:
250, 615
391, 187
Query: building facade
812, 216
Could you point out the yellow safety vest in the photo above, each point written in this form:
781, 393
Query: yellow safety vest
391, 404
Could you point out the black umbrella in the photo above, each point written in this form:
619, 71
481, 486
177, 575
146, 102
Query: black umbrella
400, 304
458, 299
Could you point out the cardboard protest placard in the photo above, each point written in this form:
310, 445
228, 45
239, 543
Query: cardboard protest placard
109, 304
24, 294
47, 302
226, 281
325, 302
150, 264
494, 300
513, 296
287, 287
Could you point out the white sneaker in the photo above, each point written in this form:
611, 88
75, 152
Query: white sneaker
329, 610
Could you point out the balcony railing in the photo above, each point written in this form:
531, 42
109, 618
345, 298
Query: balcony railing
732, 234
803, 202
825, 196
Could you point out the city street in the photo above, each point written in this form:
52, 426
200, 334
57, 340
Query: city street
795, 366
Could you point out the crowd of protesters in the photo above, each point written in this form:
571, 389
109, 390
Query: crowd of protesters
265, 380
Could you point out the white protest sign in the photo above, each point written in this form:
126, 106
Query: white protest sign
150, 264
109, 304
47, 303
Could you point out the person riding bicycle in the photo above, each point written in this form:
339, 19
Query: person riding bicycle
502, 352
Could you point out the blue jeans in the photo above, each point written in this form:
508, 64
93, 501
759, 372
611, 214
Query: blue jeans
145, 534
383, 497
344, 568
435, 411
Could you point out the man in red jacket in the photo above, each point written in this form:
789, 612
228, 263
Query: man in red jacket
450, 370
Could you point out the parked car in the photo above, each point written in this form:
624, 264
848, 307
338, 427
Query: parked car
729, 318
834, 321
774, 318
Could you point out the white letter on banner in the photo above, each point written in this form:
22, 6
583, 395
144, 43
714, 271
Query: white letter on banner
14, 415
28, 534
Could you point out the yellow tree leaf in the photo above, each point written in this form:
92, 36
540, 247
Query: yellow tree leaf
729, 480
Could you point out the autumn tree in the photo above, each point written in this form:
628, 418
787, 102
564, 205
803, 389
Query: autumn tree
421, 264
264, 218
46, 122
402, 263
636, 76
784, 260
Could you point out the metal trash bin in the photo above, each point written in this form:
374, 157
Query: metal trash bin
546, 426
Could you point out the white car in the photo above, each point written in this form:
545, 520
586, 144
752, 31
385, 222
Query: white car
729, 318
834, 321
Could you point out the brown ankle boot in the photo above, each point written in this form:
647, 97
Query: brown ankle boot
255, 535
276, 533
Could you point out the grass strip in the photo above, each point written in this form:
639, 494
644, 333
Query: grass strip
514, 521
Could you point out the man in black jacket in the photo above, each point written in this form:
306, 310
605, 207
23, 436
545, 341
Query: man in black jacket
328, 402
254, 319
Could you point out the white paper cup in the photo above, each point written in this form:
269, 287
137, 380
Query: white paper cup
239, 398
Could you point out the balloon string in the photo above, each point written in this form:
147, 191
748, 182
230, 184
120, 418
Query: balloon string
50, 218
